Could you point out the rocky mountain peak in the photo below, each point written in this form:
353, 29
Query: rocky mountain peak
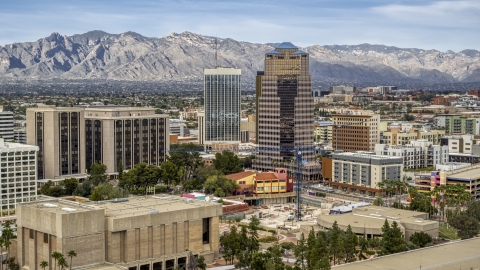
179, 56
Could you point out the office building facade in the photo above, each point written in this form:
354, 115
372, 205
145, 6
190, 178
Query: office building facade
355, 130
285, 111
18, 175
6, 125
71, 139
222, 105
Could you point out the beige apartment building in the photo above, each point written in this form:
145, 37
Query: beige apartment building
355, 130
157, 232
71, 139
398, 137
285, 111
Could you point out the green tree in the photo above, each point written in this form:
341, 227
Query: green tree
249, 243
171, 174
301, 252
230, 244
84, 189
350, 242
269, 260
97, 173
467, 226
69, 185
141, 176
220, 185
107, 192
187, 157
72, 254
336, 246
378, 201
43, 264
421, 239
227, 162
120, 170
312, 254
385, 245
56, 256
473, 209
12, 264
392, 239
62, 262
201, 263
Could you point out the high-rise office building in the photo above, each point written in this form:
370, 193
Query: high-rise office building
285, 111
222, 106
71, 139
6, 125
18, 175
355, 130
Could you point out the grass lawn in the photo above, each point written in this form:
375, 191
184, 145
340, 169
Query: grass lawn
427, 169
449, 233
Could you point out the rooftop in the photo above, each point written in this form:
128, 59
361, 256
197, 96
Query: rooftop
363, 154
452, 255
240, 175
286, 45
265, 176
141, 206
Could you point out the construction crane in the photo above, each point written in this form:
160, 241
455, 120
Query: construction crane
299, 169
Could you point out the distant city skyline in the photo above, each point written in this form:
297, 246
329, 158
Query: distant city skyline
429, 24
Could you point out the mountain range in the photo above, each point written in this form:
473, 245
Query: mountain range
183, 56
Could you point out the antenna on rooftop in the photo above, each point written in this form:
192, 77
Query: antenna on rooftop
216, 54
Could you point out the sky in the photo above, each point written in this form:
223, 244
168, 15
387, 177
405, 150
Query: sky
426, 24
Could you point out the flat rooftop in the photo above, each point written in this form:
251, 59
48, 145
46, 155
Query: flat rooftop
453, 255
472, 172
140, 206
59, 206
374, 216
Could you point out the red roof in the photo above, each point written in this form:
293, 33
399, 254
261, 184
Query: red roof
240, 175
266, 176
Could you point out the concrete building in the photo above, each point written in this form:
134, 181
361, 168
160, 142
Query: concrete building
323, 131
6, 124
18, 175
360, 172
222, 106
139, 135
417, 154
342, 89
157, 232
355, 130
71, 139
285, 111
368, 221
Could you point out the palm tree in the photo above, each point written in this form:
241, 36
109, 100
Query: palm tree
56, 256
44, 264
2, 244
72, 254
62, 263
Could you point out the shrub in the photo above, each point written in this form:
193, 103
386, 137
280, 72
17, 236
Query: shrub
272, 231
268, 239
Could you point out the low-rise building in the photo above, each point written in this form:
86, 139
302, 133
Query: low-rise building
154, 232
468, 176
368, 221
417, 154
398, 137
272, 182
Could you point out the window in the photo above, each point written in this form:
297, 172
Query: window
31, 233
241, 182
45, 238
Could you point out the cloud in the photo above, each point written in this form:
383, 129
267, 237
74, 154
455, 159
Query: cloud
404, 23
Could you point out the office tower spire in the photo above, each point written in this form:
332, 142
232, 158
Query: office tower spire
285, 111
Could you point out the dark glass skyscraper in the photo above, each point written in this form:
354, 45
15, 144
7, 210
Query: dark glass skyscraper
285, 111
